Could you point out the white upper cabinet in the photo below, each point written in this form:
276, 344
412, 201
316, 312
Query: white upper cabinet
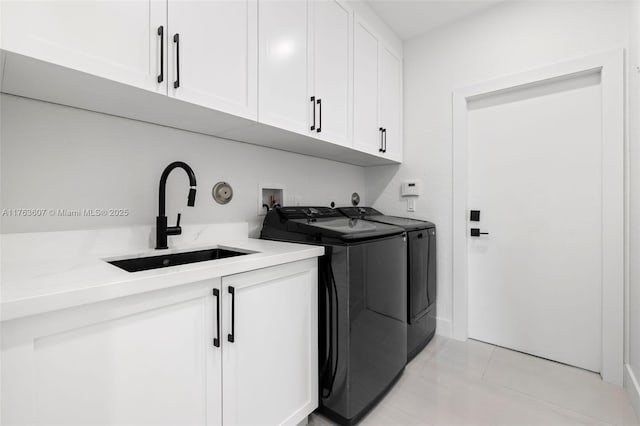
391, 103
117, 40
283, 46
330, 66
308, 76
377, 103
367, 135
213, 56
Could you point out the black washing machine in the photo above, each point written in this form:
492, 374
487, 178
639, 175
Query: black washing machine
362, 338
421, 274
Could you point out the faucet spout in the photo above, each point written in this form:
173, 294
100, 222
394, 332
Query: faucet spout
162, 230
192, 197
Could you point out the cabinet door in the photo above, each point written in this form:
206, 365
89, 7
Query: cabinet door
366, 134
117, 40
147, 359
215, 53
282, 44
391, 103
331, 68
270, 370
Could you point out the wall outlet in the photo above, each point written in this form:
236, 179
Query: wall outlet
411, 205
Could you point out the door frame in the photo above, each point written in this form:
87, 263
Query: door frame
610, 65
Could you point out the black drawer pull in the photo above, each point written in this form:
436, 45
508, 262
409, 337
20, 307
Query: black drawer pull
384, 134
161, 35
216, 340
319, 102
176, 40
231, 336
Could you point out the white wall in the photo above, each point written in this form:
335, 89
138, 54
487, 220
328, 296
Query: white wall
633, 292
57, 157
510, 38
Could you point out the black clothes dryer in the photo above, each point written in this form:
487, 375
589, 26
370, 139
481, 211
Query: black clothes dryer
421, 274
362, 309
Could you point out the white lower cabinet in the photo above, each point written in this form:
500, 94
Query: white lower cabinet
151, 358
270, 374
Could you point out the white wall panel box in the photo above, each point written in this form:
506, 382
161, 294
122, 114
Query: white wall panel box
270, 195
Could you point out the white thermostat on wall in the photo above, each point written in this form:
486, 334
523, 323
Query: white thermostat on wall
410, 188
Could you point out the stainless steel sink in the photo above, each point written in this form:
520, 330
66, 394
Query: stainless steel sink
164, 261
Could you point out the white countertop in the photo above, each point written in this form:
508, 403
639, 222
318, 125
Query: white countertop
47, 271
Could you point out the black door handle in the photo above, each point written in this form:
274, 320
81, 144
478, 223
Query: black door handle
381, 133
161, 35
231, 336
176, 40
319, 115
475, 232
216, 340
313, 102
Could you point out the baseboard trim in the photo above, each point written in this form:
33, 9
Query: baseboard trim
633, 388
444, 327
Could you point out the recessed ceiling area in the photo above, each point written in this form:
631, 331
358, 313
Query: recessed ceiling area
410, 18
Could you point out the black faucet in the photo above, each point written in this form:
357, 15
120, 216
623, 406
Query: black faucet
162, 230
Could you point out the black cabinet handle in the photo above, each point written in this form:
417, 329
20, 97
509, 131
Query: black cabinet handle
319, 115
161, 35
216, 340
313, 102
380, 130
231, 336
384, 136
176, 40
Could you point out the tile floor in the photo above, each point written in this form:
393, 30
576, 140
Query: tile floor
474, 383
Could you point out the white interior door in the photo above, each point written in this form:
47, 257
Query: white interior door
535, 173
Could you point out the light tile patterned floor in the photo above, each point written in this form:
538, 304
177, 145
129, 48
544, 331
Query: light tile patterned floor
474, 383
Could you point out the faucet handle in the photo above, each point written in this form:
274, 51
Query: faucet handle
174, 230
